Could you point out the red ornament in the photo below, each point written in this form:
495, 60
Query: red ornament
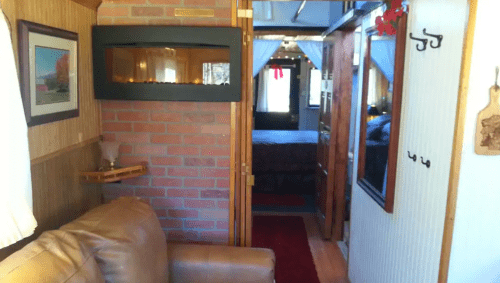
277, 69
387, 22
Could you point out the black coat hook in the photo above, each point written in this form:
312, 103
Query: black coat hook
423, 40
438, 37
428, 163
414, 157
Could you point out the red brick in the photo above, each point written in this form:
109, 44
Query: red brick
199, 22
183, 193
223, 162
224, 22
133, 116
174, 161
133, 138
171, 223
166, 117
142, 181
150, 192
222, 184
166, 139
108, 116
166, 182
165, 2
148, 105
199, 183
118, 191
113, 11
103, 21
183, 213
211, 172
223, 204
216, 106
216, 129
148, 127
116, 104
214, 236
126, 149
215, 151
182, 235
223, 3
193, 203
183, 150
207, 3
134, 160
109, 137
223, 118
215, 214
170, 22
161, 212
223, 13
200, 162
183, 172
223, 225
199, 224
224, 140
182, 106
199, 140
224, 194
129, 21
199, 118
150, 149
183, 129
157, 171
125, 1
116, 127
166, 203
147, 11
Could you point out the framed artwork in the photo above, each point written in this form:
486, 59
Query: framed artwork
381, 113
48, 63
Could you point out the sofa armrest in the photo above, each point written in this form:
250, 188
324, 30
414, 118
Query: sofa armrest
209, 263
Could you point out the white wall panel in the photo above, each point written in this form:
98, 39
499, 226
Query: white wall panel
405, 246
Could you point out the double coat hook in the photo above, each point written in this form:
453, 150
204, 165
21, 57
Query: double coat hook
424, 41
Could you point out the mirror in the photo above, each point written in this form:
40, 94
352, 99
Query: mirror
381, 109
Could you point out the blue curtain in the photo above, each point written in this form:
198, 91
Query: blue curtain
382, 53
262, 51
313, 50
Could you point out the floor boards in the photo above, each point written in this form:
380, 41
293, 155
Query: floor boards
330, 264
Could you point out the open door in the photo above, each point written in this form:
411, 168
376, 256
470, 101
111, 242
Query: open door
333, 141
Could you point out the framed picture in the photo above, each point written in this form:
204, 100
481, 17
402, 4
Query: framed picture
48, 63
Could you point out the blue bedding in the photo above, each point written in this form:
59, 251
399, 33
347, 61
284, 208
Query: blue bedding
284, 137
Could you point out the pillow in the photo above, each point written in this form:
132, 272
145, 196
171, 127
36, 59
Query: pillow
56, 256
374, 127
126, 239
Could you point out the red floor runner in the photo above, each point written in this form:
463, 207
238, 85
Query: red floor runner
277, 200
287, 237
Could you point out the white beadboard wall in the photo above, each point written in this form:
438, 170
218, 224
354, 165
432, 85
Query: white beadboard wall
405, 246
475, 252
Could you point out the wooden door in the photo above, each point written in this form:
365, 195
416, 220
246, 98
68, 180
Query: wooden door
333, 142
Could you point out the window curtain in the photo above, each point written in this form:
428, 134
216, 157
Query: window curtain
16, 216
262, 99
313, 50
262, 51
382, 54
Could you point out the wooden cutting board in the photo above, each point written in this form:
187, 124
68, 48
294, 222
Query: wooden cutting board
488, 126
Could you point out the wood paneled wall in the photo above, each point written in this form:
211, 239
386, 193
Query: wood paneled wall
58, 194
68, 15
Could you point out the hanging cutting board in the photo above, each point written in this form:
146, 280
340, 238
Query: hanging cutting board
488, 126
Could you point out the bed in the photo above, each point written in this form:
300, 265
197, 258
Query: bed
284, 159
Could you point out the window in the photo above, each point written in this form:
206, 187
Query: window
278, 92
314, 88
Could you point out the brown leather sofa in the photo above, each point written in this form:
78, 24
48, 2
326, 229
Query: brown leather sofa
123, 242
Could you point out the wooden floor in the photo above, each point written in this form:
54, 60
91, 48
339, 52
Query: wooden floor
330, 264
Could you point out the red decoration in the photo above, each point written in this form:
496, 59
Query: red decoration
277, 69
387, 22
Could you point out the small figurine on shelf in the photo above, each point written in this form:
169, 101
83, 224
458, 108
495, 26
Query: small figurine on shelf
109, 151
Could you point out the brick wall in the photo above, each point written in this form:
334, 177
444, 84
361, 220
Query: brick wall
184, 144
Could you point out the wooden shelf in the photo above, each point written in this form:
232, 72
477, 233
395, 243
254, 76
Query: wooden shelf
113, 175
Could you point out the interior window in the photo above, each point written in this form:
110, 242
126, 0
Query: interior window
314, 88
278, 92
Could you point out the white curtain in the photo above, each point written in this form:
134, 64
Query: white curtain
16, 216
262, 51
313, 50
262, 101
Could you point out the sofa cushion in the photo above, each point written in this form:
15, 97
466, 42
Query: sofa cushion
56, 256
126, 239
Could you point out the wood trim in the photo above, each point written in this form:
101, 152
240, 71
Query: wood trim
364, 111
64, 150
456, 158
91, 4
234, 13
232, 177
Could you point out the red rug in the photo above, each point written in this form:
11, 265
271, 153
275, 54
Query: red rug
287, 237
277, 200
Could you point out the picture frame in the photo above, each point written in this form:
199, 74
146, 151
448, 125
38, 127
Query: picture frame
381, 114
48, 68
